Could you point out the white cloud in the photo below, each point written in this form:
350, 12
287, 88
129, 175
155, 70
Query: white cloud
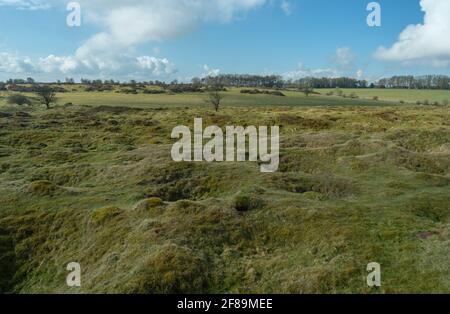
127, 24
209, 71
134, 22
302, 71
53, 63
155, 65
286, 6
344, 57
359, 74
142, 66
426, 43
26, 4
12, 63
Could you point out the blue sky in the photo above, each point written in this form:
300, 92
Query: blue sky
181, 39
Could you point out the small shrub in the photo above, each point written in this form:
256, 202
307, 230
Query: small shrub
262, 92
426, 102
402, 102
154, 91
445, 102
18, 99
376, 98
245, 202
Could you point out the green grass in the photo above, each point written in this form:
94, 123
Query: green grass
96, 185
234, 98
231, 98
397, 95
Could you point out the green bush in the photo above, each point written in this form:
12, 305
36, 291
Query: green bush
244, 202
18, 99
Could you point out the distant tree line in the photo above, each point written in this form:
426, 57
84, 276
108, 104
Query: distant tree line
416, 82
248, 81
242, 80
326, 82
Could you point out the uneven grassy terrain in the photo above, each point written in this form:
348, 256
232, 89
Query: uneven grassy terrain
96, 185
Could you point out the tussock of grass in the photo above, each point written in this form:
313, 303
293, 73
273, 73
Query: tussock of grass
244, 202
43, 188
102, 214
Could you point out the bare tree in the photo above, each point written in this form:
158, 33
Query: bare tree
46, 95
214, 98
307, 91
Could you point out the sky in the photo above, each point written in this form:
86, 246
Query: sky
181, 39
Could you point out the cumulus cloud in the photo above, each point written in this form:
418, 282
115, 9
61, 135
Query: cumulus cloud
145, 66
26, 4
209, 71
344, 57
53, 63
359, 74
155, 65
424, 43
303, 71
127, 24
12, 63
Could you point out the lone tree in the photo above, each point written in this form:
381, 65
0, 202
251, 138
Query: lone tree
307, 90
46, 95
214, 98
18, 99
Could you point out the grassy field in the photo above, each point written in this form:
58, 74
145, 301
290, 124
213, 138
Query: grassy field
397, 95
360, 181
234, 98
